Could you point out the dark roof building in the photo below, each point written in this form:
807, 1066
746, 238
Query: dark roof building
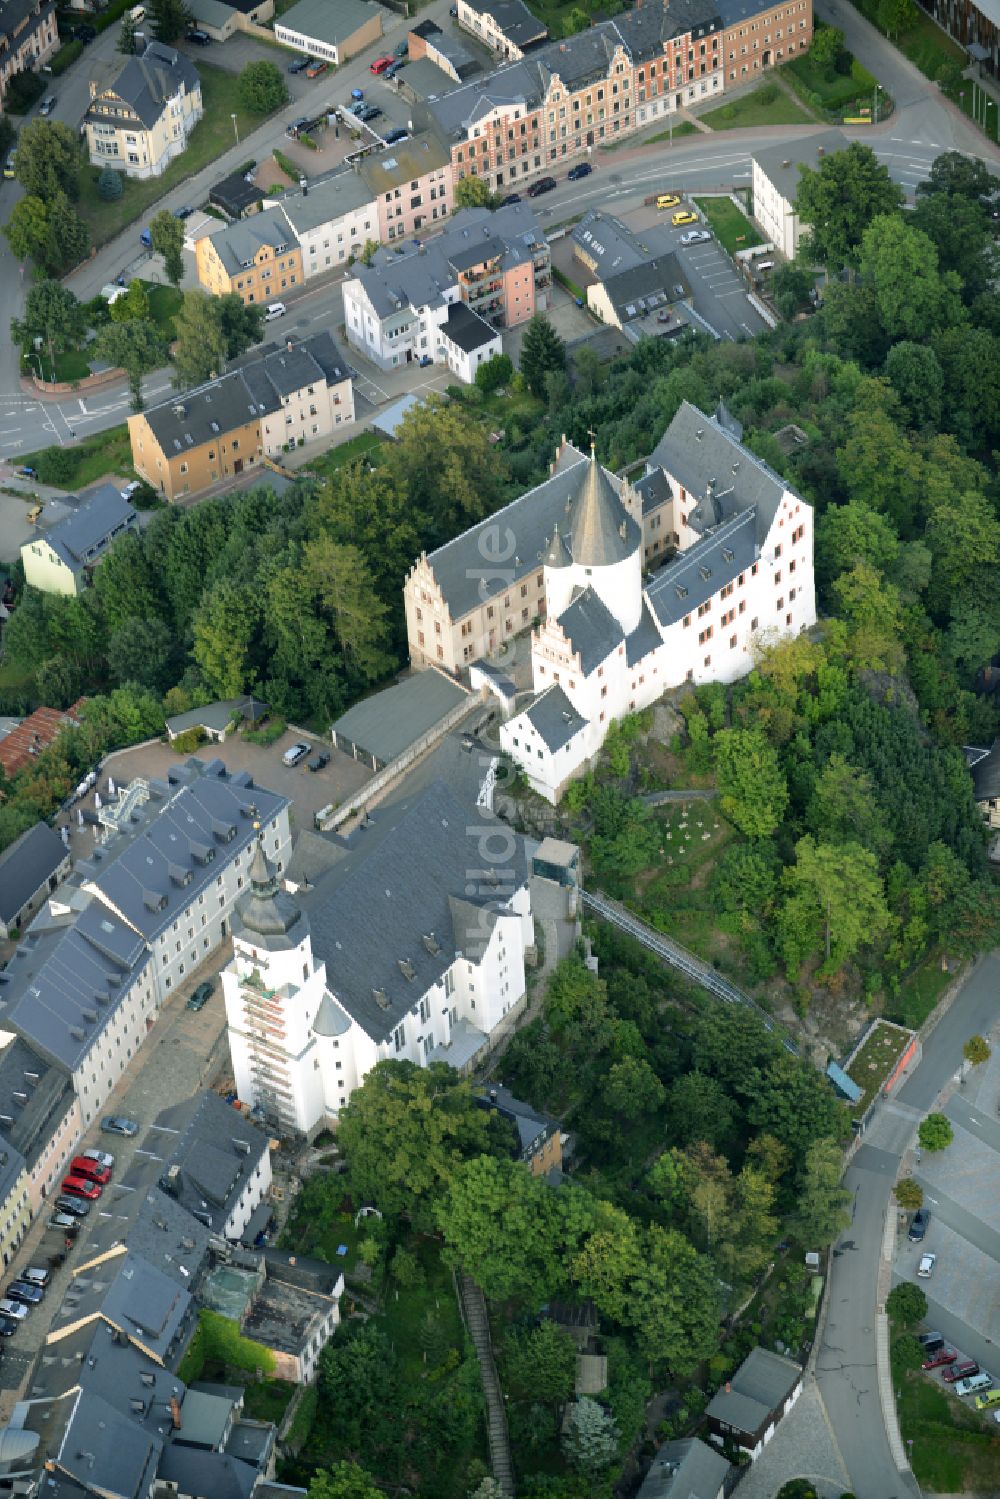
237, 195
212, 1161
35, 1098
685, 1470
145, 85
536, 1136
30, 870
80, 540
502, 23
215, 719
466, 330
636, 272
384, 726
754, 1399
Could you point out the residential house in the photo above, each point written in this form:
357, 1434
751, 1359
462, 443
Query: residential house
566, 97
775, 183
334, 30
28, 37
536, 1138
217, 720
399, 308
35, 733
685, 1470
237, 195
760, 36
433, 970
634, 272
39, 1115
295, 1313
214, 1163
15, 1204
411, 184
30, 869
141, 121
750, 1404
258, 258
221, 19
62, 559
507, 27
331, 221
273, 399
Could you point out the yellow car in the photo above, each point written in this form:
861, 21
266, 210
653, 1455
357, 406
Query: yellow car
667, 200
988, 1402
8, 167
684, 217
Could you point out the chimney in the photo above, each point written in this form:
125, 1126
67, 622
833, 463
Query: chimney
729, 1388
175, 1413
289, 345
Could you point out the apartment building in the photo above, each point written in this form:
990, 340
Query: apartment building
757, 37
40, 1115
62, 558
412, 185
258, 258
507, 27
276, 398
775, 182
30, 869
141, 121
401, 307
331, 221
28, 37
15, 1208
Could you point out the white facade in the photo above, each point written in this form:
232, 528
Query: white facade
775, 181
404, 336
315, 410
775, 212
464, 362
344, 230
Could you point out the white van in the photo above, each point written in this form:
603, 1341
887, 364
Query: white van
138, 14
275, 309
974, 1385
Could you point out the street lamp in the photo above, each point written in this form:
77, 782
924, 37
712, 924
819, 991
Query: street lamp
236, 130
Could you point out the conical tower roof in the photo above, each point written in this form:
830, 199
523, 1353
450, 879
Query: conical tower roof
267, 911
602, 531
558, 554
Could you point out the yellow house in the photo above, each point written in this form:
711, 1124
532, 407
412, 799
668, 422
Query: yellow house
28, 38
142, 120
15, 1208
258, 257
62, 558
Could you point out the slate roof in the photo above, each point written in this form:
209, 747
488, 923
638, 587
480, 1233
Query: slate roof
194, 823
467, 330
210, 1152
218, 716
35, 1097
639, 270
146, 83
388, 722
132, 1295
26, 866
644, 639
986, 774
780, 163
554, 718
234, 194
327, 20
118, 1373
267, 915
688, 1469
531, 1126
373, 911
12, 13
653, 490
87, 532
12, 1163
601, 531
696, 575
758, 1388
451, 47
724, 476
514, 19
591, 629
105, 1451
466, 581
239, 243
198, 1472
326, 202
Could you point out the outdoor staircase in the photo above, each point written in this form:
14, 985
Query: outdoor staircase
477, 1324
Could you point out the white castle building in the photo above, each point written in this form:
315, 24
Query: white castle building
409, 942
610, 642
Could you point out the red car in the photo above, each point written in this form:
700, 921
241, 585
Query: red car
89, 1170
963, 1370
76, 1186
381, 63
936, 1360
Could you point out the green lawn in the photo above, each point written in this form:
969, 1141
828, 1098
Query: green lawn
683, 127
835, 91
751, 110
925, 44
211, 136
953, 1447
267, 1400
345, 452
733, 229
107, 452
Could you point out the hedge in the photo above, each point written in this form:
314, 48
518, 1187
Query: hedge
67, 53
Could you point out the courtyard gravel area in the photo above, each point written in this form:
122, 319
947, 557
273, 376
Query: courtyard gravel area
803, 1446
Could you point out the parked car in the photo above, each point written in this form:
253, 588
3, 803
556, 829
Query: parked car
296, 753
65, 1224
8, 166
380, 64
24, 1291
318, 761
964, 1369
367, 113
119, 1124
582, 169
295, 129
695, 237
76, 1206
918, 1227
201, 996
685, 216
36, 1275
102, 1157
543, 185
940, 1358
199, 38
79, 1186
132, 487
988, 1401
183, 213
316, 67
401, 49
90, 1171
926, 1267
8, 1327
392, 137
425, 361
15, 1309
299, 64
47, 105
145, 238
510, 198
927, 1339
27, 473
668, 200
84, 34
274, 310
974, 1385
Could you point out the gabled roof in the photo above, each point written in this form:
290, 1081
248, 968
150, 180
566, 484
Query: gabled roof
209, 1153
195, 1471
217, 716
239, 243
591, 629
554, 718
146, 83
688, 1469
694, 576
760, 1385
35, 1097
86, 533
326, 202
326, 20
107, 1453
531, 1126
514, 19
27, 865
468, 331
130, 1294
644, 639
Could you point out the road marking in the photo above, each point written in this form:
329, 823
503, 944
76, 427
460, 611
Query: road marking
934, 1200
81, 405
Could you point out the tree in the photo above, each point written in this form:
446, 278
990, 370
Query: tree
906, 1304
700, 1109
791, 283
262, 89
793, 1102
827, 46
133, 306
976, 1051
343, 1481
896, 16
673, 1301
871, 607
126, 36
844, 808
404, 1133
488, 1488
224, 630
139, 651
821, 1202
52, 313
109, 184
473, 192
494, 373
137, 348
542, 351
632, 1088
590, 1437
797, 1488
50, 232
752, 789
834, 890
168, 19
935, 1133
199, 351
242, 323
918, 380
960, 229
167, 234
914, 298
340, 583
540, 1364
454, 476
48, 160
839, 199
909, 1194
956, 175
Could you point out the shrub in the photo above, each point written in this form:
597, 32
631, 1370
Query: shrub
188, 742
22, 91
109, 185
68, 53
768, 94
56, 465
267, 734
